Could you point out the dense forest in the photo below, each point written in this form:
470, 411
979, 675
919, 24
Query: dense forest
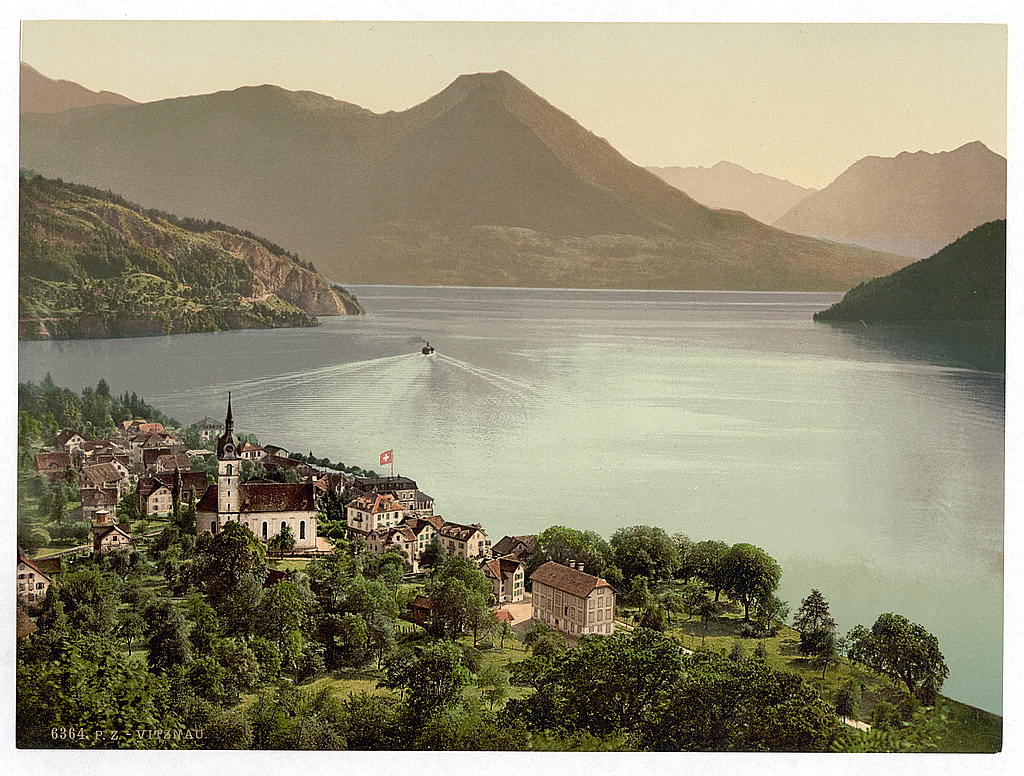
93, 264
965, 281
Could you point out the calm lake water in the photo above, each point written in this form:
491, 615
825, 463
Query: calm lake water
870, 466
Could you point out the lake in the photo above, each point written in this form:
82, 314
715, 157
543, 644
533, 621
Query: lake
870, 466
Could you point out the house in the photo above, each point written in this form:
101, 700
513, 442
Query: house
208, 428
96, 499
522, 547
131, 428
507, 576
275, 450
149, 457
200, 453
334, 482
572, 601
421, 504
410, 537
32, 583
173, 461
104, 475
251, 452
54, 466
120, 461
107, 536
368, 513
402, 488
467, 541
155, 492
265, 508
68, 440
420, 608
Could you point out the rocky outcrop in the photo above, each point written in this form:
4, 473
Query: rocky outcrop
284, 278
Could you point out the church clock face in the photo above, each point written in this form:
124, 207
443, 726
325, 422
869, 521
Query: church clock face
229, 449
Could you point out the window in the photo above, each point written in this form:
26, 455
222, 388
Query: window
264, 529
213, 527
283, 526
229, 470
302, 529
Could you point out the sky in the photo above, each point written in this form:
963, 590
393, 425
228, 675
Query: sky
797, 101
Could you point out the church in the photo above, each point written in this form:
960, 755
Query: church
265, 508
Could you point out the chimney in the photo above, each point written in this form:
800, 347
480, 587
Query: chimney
102, 517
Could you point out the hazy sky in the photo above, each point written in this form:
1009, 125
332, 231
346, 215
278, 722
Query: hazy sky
797, 101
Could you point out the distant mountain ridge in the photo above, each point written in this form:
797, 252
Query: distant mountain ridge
912, 204
93, 265
40, 94
484, 183
733, 187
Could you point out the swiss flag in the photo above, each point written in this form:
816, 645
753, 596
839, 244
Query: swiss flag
387, 457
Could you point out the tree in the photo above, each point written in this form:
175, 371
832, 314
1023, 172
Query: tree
707, 610
708, 561
458, 593
504, 631
603, 686
751, 573
813, 620
493, 684
713, 703
84, 681
828, 652
283, 541
770, 613
433, 676
130, 627
434, 554
654, 617
168, 637
543, 640
90, 599
205, 626
561, 545
844, 703
643, 550
761, 651
904, 650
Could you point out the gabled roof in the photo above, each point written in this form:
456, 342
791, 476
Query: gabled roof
99, 533
195, 481
459, 531
32, 565
501, 568
385, 483
208, 423
279, 462
98, 497
504, 615
572, 581
100, 474
387, 535
174, 461
52, 461
249, 447
518, 545
375, 504
152, 454
278, 497
65, 435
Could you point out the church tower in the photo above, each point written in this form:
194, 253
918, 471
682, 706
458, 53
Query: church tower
229, 494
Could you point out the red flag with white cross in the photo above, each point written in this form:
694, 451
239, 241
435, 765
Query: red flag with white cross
388, 456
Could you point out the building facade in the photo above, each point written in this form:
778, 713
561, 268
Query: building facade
572, 601
265, 508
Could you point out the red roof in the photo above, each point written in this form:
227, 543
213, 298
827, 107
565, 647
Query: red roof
572, 581
503, 615
31, 565
266, 497
52, 461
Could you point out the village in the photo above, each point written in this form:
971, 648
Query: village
278, 496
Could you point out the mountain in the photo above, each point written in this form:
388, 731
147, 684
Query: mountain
912, 204
965, 281
94, 265
727, 185
484, 183
40, 94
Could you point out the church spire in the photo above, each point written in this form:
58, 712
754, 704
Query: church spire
227, 444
